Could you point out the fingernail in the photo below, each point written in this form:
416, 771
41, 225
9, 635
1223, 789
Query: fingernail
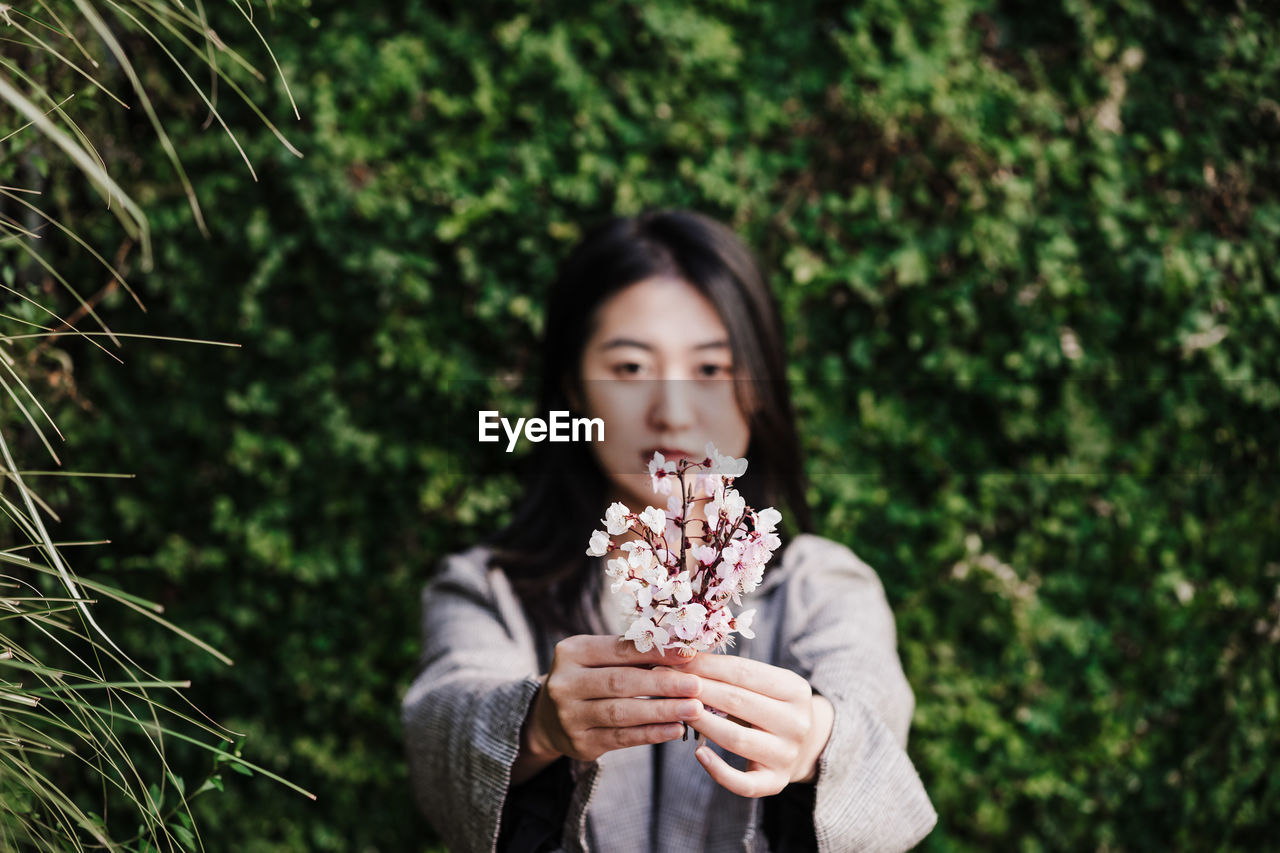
689, 710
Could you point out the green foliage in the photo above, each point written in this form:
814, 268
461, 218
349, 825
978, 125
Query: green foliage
85, 730
1027, 257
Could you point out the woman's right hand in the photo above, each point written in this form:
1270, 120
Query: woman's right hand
590, 702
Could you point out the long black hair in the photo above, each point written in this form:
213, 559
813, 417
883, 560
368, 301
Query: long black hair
542, 550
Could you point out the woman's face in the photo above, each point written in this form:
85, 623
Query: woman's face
657, 369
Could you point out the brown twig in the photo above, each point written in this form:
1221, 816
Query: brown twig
69, 324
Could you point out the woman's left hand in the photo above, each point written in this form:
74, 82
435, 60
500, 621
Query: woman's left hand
775, 721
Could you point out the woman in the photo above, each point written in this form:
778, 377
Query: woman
531, 727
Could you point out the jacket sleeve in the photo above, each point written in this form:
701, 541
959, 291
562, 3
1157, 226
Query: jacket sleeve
868, 794
463, 713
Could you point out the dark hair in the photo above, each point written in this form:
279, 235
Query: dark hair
542, 550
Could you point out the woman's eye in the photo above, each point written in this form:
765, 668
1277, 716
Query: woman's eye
714, 371
628, 368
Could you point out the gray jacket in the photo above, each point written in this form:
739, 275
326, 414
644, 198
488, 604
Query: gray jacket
821, 612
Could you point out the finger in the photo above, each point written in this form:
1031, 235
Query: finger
751, 783
761, 711
752, 744
622, 713
607, 739
620, 682
598, 650
773, 681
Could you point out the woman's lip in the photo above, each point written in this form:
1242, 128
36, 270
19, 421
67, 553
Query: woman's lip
668, 453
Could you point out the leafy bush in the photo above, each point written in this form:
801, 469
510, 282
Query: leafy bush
1027, 257
85, 729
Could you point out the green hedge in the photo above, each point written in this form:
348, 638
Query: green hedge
1027, 257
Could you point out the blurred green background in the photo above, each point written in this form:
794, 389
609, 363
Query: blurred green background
1027, 257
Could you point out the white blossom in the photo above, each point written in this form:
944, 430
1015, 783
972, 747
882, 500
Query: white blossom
766, 520
662, 472
730, 558
615, 518
630, 587
599, 545
646, 635
713, 515
688, 619
753, 551
734, 505
715, 631
678, 600
653, 573
642, 559
728, 588
751, 577
707, 485
682, 587
655, 518
661, 590
726, 466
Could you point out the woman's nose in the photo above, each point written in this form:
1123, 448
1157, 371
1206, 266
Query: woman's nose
674, 407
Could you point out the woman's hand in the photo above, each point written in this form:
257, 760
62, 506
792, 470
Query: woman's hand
775, 721
590, 702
